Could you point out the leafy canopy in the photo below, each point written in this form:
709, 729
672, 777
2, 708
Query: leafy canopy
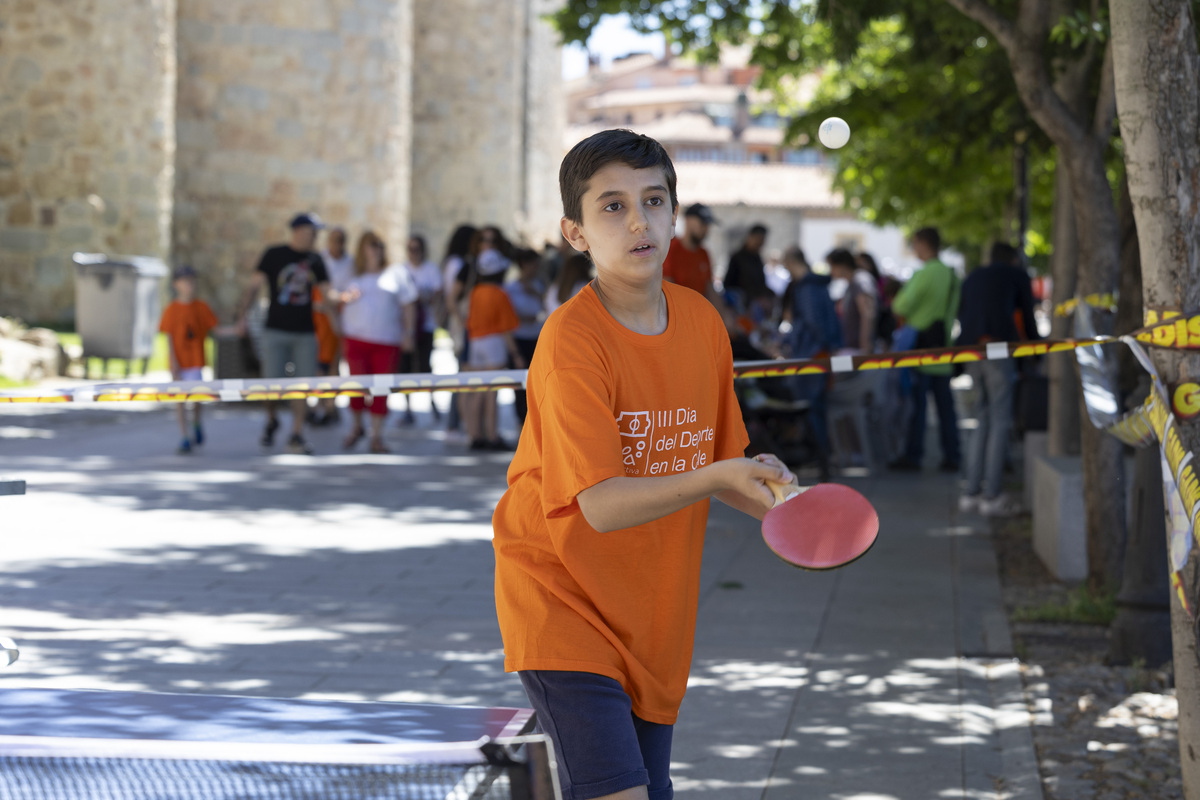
929, 98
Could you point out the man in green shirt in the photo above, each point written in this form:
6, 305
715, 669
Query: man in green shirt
929, 303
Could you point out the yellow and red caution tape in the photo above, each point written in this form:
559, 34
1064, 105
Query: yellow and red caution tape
1178, 332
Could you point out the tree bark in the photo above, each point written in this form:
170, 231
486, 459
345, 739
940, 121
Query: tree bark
1082, 140
1141, 630
1157, 72
1063, 420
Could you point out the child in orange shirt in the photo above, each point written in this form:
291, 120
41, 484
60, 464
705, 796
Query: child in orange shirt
633, 425
491, 320
187, 322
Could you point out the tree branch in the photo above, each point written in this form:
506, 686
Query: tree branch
1106, 101
999, 25
1024, 41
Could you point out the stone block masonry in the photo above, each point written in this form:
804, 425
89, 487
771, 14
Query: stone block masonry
87, 139
488, 117
285, 107
192, 130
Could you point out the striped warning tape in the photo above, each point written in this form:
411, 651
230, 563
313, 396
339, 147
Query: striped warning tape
1103, 302
1178, 332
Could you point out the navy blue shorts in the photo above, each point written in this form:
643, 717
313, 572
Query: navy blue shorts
602, 747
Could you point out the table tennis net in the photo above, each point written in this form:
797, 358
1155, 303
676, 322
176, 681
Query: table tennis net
50, 776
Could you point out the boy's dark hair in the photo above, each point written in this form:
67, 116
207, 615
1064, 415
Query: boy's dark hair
617, 146
1003, 253
931, 237
840, 257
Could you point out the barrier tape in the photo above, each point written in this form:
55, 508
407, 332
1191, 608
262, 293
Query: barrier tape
1176, 332
1103, 302
1155, 420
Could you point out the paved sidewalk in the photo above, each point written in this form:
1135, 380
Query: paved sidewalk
355, 576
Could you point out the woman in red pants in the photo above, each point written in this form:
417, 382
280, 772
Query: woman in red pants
378, 324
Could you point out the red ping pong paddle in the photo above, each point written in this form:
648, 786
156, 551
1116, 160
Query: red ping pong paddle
820, 527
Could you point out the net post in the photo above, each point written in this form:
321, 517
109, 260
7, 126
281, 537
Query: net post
529, 763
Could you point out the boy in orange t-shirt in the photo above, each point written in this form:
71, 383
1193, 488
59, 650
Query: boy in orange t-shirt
187, 322
633, 425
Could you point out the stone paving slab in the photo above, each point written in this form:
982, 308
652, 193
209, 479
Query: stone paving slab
361, 577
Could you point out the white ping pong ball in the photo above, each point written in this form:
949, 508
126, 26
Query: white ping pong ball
834, 132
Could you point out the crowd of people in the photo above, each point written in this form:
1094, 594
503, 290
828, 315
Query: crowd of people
338, 307
354, 307
853, 309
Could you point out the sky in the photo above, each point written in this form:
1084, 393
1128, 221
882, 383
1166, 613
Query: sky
612, 38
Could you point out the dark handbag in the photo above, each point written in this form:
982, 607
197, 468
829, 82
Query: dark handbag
931, 337
935, 335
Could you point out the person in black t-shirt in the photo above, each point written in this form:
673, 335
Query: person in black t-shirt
997, 306
289, 272
747, 275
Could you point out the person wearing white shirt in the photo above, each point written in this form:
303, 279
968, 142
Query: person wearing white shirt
339, 263
454, 311
378, 322
428, 280
527, 294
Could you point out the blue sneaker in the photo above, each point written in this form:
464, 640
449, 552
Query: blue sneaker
198, 434
185, 446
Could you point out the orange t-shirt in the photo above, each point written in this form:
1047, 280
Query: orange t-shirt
188, 325
327, 335
690, 268
606, 402
490, 312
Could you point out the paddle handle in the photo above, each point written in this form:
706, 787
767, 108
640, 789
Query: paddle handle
785, 491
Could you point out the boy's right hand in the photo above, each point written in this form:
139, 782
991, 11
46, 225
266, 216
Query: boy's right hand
748, 477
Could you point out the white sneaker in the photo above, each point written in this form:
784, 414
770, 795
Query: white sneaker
969, 503
999, 506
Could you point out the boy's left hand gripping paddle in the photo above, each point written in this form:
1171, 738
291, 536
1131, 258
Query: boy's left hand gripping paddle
820, 527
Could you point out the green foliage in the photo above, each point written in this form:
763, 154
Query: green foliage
1082, 606
933, 140
929, 98
1081, 27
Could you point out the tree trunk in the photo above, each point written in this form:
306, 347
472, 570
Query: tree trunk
1099, 264
1082, 140
1063, 414
1141, 630
1157, 74
1072, 85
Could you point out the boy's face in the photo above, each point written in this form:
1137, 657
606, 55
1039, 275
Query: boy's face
627, 222
185, 289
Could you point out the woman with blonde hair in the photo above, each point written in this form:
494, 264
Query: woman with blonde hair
379, 324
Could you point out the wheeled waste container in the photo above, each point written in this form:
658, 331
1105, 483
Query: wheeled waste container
118, 302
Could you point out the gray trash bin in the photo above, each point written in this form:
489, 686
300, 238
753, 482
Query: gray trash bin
118, 303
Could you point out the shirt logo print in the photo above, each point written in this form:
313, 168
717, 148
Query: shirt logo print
635, 428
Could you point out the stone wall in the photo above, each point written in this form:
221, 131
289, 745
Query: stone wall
192, 130
87, 141
487, 119
286, 107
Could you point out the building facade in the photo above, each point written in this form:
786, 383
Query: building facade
730, 153
192, 130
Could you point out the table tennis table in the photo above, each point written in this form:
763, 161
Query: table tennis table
8, 648
58, 744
